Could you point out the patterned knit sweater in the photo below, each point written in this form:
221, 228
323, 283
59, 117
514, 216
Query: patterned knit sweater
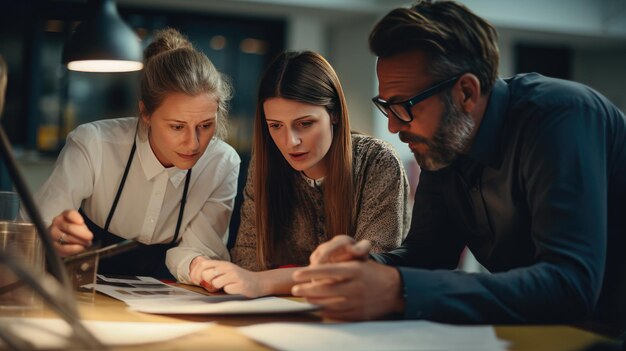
381, 197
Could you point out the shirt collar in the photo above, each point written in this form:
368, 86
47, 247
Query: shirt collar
313, 183
486, 148
151, 165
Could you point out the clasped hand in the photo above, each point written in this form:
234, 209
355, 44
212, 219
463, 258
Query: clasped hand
347, 284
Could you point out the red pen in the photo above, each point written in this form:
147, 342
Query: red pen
288, 266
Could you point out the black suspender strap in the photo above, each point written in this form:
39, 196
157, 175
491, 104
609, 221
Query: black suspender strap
120, 187
183, 201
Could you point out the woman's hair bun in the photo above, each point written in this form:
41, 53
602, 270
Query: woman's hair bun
166, 40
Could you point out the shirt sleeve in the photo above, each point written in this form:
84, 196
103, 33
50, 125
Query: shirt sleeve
74, 174
564, 170
382, 214
244, 252
207, 233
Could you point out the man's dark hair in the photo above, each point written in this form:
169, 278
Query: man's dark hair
454, 39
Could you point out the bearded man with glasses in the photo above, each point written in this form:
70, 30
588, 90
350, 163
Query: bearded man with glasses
528, 172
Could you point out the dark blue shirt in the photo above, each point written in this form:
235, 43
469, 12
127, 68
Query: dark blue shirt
540, 200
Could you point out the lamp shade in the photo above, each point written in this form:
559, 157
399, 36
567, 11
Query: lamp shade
103, 43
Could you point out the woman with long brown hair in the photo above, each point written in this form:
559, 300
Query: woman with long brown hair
310, 179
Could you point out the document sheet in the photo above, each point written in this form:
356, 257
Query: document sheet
129, 288
149, 295
374, 336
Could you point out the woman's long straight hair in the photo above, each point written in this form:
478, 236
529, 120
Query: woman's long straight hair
308, 78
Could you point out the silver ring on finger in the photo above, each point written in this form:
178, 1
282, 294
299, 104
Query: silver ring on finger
62, 239
215, 272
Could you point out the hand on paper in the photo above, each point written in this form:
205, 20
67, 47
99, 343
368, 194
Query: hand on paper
214, 275
341, 248
70, 233
354, 290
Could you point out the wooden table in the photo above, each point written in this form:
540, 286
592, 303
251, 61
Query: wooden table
224, 336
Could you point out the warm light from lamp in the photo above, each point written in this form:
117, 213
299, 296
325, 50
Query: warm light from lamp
104, 66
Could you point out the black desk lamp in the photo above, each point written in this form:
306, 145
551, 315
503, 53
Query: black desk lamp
103, 43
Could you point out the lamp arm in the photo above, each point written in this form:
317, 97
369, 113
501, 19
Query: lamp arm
13, 341
53, 294
57, 269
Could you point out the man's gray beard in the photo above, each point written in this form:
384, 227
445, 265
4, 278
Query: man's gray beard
451, 138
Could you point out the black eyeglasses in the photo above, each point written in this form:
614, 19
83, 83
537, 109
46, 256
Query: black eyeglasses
402, 109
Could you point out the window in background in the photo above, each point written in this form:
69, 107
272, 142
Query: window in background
549, 61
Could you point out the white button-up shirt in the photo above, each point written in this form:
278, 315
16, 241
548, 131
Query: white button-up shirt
88, 172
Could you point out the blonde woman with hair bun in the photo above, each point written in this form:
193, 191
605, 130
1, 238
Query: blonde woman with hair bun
165, 179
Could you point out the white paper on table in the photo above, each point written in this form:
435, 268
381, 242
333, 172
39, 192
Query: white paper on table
139, 288
396, 335
149, 295
52, 333
150, 291
207, 305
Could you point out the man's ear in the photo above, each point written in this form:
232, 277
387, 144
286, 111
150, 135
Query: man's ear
469, 90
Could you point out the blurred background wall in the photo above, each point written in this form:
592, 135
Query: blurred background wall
581, 40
